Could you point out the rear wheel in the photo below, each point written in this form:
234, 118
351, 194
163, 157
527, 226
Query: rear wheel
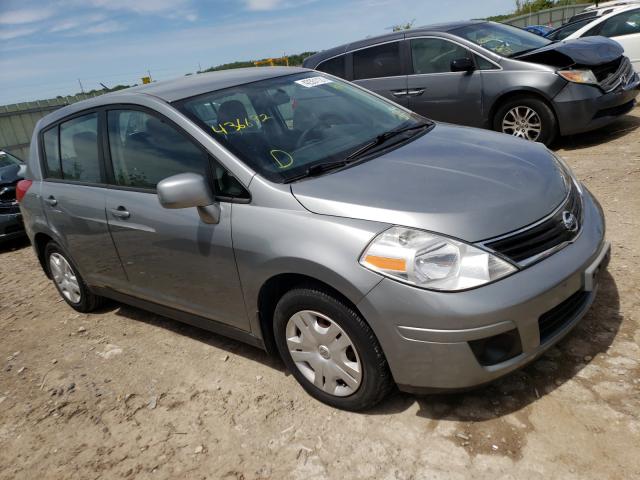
330, 350
68, 281
526, 117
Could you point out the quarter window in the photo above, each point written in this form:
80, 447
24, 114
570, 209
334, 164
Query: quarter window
334, 66
79, 149
434, 55
379, 61
52, 153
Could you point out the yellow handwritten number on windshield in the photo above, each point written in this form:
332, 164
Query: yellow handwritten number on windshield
283, 159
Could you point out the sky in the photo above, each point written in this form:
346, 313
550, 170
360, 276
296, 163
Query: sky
47, 46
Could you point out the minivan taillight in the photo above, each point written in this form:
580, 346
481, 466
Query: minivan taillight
21, 189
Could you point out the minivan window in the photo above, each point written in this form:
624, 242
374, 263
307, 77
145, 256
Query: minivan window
378, 61
305, 119
502, 39
333, 66
145, 150
52, 153
434, 55
626, 23
79, 149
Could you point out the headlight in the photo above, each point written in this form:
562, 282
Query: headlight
431, 261
578, 76
567, 171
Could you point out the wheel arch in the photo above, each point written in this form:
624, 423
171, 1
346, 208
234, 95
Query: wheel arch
519, 92
40, 241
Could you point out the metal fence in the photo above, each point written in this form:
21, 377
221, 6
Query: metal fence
17, 121
552, 17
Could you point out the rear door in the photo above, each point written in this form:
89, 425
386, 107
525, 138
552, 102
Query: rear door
436, 92
171, 257
73, 195
380, 68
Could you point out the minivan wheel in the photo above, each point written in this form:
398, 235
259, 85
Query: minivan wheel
526, 117
330, 350
68, 281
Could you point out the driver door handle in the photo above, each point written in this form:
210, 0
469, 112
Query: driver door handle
51, 200
416, 92
399, 93
120, 212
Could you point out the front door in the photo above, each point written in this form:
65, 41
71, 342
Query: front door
171, 257
436, 92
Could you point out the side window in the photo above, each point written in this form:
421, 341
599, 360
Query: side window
626, 23
145, 150
52, 153
379, 61
484, 64
79, 149
334, 66
434, 55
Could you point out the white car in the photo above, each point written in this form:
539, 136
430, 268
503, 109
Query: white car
622, 25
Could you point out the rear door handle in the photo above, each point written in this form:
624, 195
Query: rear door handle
416, 92
120, 212
399, 93
51, 200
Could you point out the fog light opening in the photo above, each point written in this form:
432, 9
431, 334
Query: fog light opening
497, 349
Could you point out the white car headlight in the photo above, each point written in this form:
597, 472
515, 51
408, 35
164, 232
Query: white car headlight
578, 76
432, 261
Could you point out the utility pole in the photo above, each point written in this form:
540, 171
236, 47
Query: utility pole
81, 89
199, 67
149, 73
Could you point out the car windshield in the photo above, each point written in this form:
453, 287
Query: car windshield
6, 160
564, 31
283, 126
502, 39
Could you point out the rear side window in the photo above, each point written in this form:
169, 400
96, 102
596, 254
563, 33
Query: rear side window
52, 153
145, 150
626, 23
334, 66
79, 149
434, 55
375, 62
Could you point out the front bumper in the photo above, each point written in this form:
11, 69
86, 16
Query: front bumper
11, 226
581, 108
426, 335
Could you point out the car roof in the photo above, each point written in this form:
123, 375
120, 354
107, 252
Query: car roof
433, 28
597, 20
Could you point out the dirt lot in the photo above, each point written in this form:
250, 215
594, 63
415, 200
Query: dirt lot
124, 393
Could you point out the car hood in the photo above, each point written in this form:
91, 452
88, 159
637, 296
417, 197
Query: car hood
588, 51
463, 182
10, 174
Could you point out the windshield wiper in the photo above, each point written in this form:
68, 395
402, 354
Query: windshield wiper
382, 138
320, 168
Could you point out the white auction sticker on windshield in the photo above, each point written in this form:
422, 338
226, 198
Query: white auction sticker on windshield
313, 81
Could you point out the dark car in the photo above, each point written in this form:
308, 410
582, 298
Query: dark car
11, 170
540, 30
490, 75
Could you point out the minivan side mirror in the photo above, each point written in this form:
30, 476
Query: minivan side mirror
188, 190
462, 65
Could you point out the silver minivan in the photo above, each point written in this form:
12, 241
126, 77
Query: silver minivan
289, 209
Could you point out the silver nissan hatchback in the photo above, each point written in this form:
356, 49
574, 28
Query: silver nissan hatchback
289, 209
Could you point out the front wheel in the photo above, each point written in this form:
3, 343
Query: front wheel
330, 350
526, 117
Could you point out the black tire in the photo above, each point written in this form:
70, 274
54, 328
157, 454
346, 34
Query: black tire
376, 380
548, 121
88, 300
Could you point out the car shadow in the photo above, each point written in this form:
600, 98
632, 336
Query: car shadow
621, 127
592, 336
218, 341
14, 244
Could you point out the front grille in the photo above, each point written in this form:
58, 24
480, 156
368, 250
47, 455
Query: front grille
562, 314
543, 236
6, 208
7, 194
614, 74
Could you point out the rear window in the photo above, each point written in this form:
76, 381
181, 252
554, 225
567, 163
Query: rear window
79, 149
52, 153
333, 66
375, 62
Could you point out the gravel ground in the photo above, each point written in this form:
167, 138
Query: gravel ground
124, 393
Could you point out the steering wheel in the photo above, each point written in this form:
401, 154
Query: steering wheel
325, 120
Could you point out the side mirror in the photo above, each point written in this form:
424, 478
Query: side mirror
188, 190
462, 65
